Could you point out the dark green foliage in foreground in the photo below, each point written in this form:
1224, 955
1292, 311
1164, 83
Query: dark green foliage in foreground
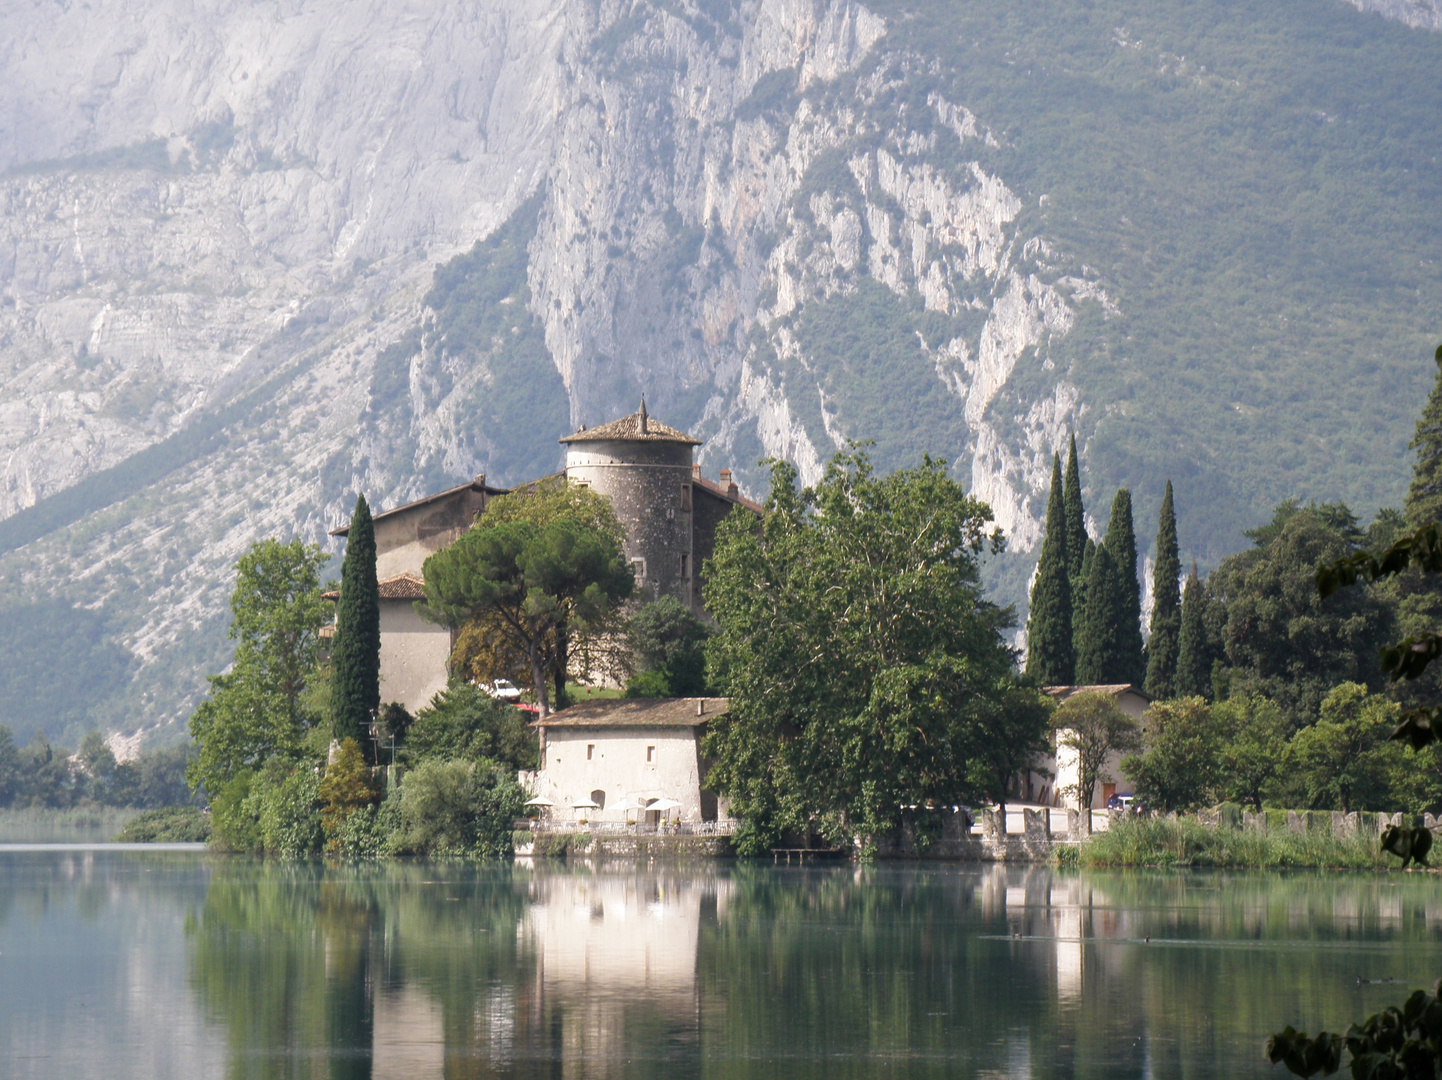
169, 825
1424, 497
1166, 621
865, 670
1393, 1044
668, 645
459, 808
464, 724
1049, 658
356, 659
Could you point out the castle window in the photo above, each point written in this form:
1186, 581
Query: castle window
590, 751
685, 564
650, 753
685, 498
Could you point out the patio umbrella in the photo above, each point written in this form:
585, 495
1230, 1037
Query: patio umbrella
628, 806
585, 804
664, 804
539, 800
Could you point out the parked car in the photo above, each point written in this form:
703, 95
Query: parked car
1120, 802
503, 689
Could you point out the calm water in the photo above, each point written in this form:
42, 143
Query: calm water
123, 964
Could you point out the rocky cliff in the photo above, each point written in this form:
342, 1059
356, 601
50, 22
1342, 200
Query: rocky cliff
255, 257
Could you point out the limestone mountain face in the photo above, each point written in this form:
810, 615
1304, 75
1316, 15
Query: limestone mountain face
258, 256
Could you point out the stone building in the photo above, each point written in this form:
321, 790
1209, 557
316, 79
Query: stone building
668, 510
627, 752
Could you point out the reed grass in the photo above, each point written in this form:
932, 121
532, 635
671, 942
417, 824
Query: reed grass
1158, 842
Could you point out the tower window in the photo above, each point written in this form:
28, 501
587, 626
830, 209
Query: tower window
685, 564
590, 751
650, 753
686, 498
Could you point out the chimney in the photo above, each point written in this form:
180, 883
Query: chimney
700, 706
732, 491
696, 470
480, 479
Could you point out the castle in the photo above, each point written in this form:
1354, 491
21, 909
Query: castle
668, 510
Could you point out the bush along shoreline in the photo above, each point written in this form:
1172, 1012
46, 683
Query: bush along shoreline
1229, 837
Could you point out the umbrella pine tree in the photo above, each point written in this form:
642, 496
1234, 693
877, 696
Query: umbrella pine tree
1049, 627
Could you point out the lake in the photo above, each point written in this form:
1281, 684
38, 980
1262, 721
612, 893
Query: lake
144, 963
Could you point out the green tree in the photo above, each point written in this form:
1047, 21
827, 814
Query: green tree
536, 579
1424, 496
1254, 733
256, 709
1092, 726
592, 634
1166, 624
1181, 768
1194, 653
1049, 658
1121, 544
667, 639
1077, 539
356, 657
1102, 656
346, 787
96, 758
1344, 760
1280, 637
459, 808
853, 636
464, 724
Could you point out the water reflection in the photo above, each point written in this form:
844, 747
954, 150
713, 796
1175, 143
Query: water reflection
199, 966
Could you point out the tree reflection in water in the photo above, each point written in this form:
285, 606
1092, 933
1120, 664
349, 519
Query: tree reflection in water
456, 970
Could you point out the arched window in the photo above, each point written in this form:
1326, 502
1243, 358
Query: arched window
599, 798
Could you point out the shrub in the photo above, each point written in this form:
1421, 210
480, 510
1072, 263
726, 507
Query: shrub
346, 788
290, 824
458, 808
167, 825
235, 825
463, 724
370, 830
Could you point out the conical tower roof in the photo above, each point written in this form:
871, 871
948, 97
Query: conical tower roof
638, 427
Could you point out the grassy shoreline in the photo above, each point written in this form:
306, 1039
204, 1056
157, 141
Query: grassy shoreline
1163, 844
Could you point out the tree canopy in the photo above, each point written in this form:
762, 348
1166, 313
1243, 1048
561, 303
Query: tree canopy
863, 665
257, 710
536, 580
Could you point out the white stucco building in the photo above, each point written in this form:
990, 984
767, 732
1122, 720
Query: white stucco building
621, 751
1062, 763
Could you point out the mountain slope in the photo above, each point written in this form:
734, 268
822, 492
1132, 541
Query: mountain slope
254, 261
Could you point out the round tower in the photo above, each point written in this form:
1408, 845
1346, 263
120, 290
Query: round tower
645, 468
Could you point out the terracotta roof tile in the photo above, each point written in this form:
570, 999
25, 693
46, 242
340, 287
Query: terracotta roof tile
400, 587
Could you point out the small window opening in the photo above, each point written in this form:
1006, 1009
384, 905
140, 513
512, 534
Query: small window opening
590, 751
686, 498
650, 753
685, 565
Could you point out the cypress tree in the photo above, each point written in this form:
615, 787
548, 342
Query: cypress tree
1049, 627
1079, 596
356, 659
1076, 530
1166, 605
1424, 497
1121, 545
1101, 656
1194, 661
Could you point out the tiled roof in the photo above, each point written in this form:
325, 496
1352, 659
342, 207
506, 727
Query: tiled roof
712, 487
400, 587
638, 427
1062, 693
639, 712
477, 485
